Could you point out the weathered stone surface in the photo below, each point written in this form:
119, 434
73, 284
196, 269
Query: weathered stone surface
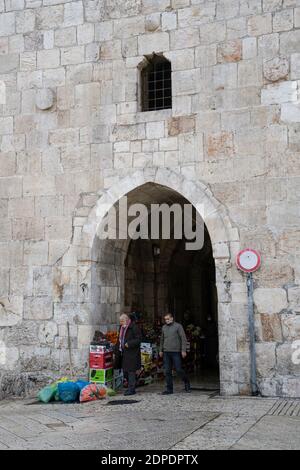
38, 308
270, 300
266, 359
280, 93
230, 52
73, 136
220, 145
181, 125
47, 333
277, 69
271, 328
295, 66
291, 327
44, 99
11, 311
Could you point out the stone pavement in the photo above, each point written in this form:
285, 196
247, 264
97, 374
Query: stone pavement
201, 420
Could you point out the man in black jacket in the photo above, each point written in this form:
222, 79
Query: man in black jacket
128, 351
173, 347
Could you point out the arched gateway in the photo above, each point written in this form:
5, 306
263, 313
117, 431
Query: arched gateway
102, 279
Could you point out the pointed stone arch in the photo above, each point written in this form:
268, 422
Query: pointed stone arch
87, 252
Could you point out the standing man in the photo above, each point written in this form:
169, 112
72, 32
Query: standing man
128, 351
173, 347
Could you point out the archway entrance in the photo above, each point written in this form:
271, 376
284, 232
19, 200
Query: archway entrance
101, 271
147, 278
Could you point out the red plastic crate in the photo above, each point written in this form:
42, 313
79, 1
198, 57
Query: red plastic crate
101, 360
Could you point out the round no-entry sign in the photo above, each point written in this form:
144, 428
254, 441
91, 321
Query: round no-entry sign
248, 260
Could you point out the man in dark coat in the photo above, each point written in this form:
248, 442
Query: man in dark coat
128, 351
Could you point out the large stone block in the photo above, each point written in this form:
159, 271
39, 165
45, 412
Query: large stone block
156, 42
48, 59
270, 300
58, 228
28, 229
73, 13
230, 51
277, 69
7, 24
7, 163
72, 55
259, 25
11, 310
290, 42
271, 328
225, 76
42, 186
265, 359
285, 360
184, 38
294, 298
4, 285
155, 130
6, 126
38, 308
295, 66
212, 32
9, 63
50, 17
35, 253
11, 187
290, 327
283, 20
290, 112
47, 333
21, 281
151, 6
285, 92
181, 125
10, 358
219, 145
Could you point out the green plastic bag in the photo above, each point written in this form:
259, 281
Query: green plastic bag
47, 393
111, 392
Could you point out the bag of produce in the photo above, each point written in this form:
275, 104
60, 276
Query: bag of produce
81, 384
47, 393
92, 392
68, 392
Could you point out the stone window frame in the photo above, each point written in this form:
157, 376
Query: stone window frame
144, 81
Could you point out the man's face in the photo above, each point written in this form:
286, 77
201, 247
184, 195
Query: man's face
168, 319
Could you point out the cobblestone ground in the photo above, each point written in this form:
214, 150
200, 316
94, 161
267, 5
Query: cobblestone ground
201, 420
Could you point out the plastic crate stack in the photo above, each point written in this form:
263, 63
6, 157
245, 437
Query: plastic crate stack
101, 365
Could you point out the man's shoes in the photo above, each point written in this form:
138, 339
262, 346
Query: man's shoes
167, 392
129, 393
187, 387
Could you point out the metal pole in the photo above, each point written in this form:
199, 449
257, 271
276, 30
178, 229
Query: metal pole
250, 288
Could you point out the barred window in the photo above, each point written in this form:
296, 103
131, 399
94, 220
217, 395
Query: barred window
157, 84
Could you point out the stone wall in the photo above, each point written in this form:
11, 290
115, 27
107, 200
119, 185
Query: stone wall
71, 131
